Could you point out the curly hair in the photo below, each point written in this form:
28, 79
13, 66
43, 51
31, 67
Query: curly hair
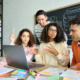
31, 41
60, 33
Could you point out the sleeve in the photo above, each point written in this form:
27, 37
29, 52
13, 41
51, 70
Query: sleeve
63, 56
12, 44
73, 59
78, 66
39, 56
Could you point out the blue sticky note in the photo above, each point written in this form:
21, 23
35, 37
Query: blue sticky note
20, 69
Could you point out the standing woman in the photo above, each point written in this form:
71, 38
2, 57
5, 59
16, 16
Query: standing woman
53, 49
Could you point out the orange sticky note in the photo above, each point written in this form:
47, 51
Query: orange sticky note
68, 79
45, 72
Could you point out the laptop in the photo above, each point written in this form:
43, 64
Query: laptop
15, 57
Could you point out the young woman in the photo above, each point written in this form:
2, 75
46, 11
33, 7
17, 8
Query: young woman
26, 39
53, 49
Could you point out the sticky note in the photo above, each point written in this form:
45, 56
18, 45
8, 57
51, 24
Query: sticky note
22, 72
68, 79
55, 77
20, 69
16, 71
45, 72
26, 71
77, 72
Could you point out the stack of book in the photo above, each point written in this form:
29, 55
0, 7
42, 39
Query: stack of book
19, 73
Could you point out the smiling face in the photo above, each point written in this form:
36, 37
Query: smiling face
75, 32
52, 32
42, 19
25, 37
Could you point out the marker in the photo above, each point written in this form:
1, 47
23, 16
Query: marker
35, 74
32, 73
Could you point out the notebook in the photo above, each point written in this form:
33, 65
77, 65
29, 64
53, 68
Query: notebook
15, 56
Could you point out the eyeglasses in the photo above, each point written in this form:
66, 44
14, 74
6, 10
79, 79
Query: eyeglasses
52, 30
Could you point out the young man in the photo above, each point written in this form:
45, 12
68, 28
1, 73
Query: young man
75, 34
41, 18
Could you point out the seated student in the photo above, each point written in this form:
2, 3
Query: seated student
53, 49
75, 34
26, 39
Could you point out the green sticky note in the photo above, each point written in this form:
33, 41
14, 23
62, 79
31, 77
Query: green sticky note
55, 77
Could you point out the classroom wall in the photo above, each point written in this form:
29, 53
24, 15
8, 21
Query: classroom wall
20, 14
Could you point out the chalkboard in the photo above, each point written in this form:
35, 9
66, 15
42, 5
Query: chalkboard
63, 15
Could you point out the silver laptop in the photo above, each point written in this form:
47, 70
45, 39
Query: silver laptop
15, 56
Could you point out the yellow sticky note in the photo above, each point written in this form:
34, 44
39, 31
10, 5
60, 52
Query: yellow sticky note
68, 79
45, 72
16, 71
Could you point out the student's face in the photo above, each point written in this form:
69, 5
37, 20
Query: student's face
41, 19
25, 37
75, 32
52, 32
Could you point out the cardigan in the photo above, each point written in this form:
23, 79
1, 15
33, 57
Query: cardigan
62, 59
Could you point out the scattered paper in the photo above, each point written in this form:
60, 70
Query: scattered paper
4, 70
52, 71
40, 78
71, 74
9, 79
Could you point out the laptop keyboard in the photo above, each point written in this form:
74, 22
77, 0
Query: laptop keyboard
31, 65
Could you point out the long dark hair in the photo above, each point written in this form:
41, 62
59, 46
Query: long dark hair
60, 33
31, 41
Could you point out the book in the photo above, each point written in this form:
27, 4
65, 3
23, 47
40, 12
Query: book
19, 73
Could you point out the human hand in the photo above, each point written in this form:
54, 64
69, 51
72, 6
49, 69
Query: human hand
51, 49
3, 60
33, 50
12, 37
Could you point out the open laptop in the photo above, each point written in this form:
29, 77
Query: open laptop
15, 56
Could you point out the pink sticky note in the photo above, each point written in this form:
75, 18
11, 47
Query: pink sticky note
77, 72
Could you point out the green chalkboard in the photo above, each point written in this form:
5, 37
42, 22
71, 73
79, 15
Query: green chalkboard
63, 15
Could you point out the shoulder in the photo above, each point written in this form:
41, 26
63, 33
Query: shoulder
37, 26
64, 44
43, 44
74, 43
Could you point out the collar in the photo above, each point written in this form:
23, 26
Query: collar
78, 44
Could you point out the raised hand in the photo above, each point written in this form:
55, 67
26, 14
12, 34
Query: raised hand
12, 38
